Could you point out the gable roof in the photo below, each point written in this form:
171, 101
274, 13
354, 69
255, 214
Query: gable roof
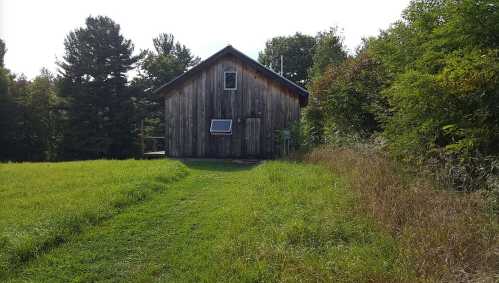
298, 90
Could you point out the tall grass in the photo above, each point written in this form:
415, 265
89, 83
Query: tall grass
295, 224
443, 235
44, 204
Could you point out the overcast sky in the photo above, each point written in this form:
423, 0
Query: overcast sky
34, 31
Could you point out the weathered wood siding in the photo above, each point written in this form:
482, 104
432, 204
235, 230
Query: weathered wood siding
259, 107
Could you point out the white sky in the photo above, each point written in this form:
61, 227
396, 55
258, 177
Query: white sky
34, 31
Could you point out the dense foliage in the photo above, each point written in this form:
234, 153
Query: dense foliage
168, 60
99, 103
428, 86
29, 118
444, 93
305, 59
90, 109
348, 93
297, 54
3, 50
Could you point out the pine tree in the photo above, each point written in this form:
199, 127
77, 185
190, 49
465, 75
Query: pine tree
168, 60
6, 109
100, 107
3, 50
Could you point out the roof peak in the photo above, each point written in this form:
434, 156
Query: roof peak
229, 49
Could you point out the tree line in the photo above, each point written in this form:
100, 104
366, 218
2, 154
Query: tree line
90, 108
426, 89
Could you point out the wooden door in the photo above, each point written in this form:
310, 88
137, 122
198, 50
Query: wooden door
252, 137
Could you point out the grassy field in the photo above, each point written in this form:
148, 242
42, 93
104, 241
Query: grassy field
43, 204
221, 222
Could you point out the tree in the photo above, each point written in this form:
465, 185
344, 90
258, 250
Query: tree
354, 96
44, 117
3, 50
329, 52
7, 110
168, 60
3, 72
443, 62
15, 125
13, 94
100, 107
442, 65
297, 51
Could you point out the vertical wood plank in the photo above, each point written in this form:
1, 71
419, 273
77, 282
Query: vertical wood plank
189, 109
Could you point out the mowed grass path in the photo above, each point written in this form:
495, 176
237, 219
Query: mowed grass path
278, 221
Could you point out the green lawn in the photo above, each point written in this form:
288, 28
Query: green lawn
212, 222
42, 204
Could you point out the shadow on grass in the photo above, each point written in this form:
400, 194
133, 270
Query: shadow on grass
218, 165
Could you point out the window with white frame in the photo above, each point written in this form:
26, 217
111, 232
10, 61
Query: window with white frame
230, 80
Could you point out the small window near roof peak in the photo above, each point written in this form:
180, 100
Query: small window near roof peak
230, 80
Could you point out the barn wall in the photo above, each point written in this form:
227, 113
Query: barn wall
190, 107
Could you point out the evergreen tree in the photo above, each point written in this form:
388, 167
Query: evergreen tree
7, 110
17, 123
101, 111
3, 50
168, 60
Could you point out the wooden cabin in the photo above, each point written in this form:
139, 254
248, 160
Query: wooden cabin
229, 106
